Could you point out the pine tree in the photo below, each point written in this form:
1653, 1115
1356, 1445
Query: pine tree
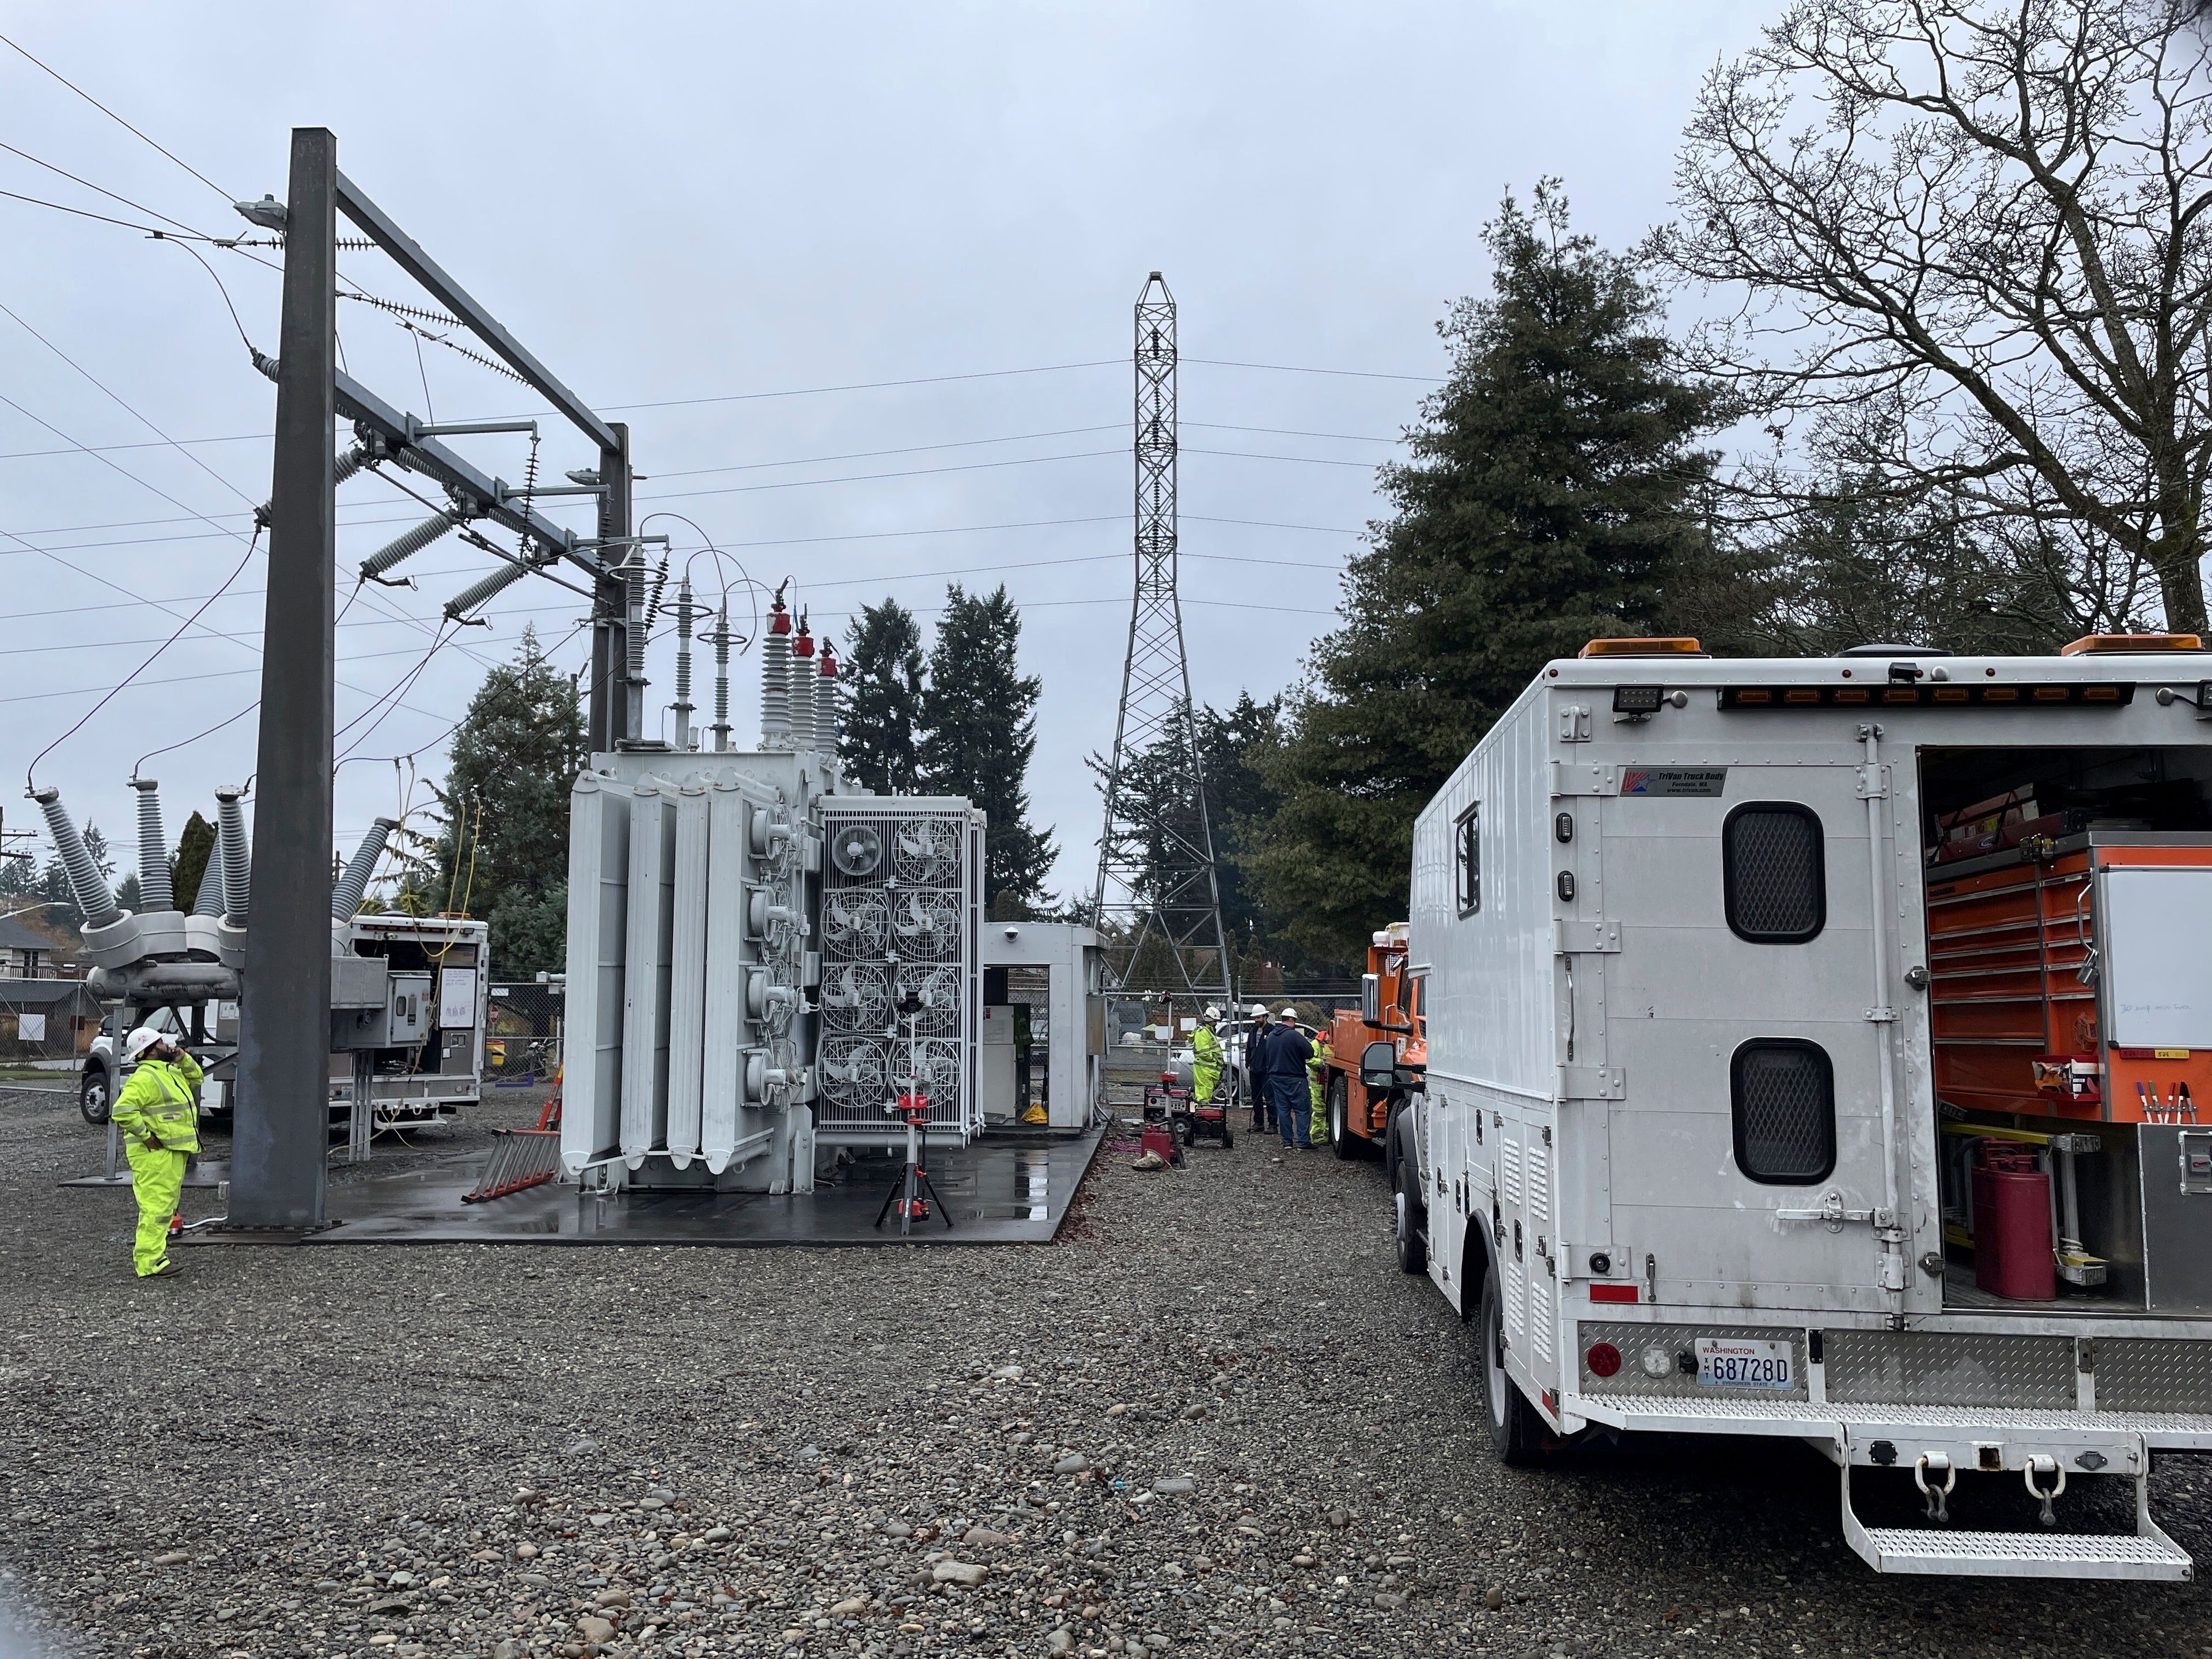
882, 674
1546, 500
979, 713
194, 847
504, 855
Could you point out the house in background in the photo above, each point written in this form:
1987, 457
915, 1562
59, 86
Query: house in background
47, 1019
25, 952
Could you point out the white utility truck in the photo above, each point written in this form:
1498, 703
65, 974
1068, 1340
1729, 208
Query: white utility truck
1813, 1048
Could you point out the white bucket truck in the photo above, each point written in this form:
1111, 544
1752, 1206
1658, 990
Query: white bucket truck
1810, 1053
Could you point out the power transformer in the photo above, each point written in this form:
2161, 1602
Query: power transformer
743, 927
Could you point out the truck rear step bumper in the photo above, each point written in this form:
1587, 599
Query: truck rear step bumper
1960, 1437
1813, 1420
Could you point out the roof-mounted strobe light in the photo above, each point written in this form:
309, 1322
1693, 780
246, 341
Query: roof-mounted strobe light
1681, 645
2107, 645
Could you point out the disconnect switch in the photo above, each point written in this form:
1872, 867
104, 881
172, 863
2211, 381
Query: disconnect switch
2197, 1161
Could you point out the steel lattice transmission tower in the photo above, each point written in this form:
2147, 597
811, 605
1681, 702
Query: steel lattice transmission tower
1158, 899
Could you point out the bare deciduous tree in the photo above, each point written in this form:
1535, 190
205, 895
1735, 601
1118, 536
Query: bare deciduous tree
1992, 216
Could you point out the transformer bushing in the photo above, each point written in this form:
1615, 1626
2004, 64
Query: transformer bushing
805, 678
209, 900
155, 891
776, 680
94, 896
352, 887
684, 615
722, 638
237, 861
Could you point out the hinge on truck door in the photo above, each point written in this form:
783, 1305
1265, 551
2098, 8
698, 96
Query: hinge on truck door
1870, 785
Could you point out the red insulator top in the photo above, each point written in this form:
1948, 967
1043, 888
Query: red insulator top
829, 660
779, 620
804, 645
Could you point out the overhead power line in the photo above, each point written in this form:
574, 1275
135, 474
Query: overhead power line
101, 190
118, 120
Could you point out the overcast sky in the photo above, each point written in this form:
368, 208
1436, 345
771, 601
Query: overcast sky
698, 216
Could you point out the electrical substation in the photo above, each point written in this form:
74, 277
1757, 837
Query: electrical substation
780, 985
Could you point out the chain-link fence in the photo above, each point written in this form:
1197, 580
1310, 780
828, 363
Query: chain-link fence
1149, 1037
522, 1044
46, 1019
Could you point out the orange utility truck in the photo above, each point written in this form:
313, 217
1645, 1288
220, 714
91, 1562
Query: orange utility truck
1390, 1011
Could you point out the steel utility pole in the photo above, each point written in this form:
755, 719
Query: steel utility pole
283, 1124
609, 717
284, 1037
1156, 874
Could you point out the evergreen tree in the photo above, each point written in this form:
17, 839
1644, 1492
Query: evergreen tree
194, 846
1546, 500
979, 713
504, 855
129, 894
883, 678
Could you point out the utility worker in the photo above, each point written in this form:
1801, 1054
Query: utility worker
1206, 1059
1287, 1053
1317, 1084
158, 1117
1256, 1067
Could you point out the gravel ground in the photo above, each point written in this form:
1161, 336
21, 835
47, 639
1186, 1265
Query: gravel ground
1211, 1419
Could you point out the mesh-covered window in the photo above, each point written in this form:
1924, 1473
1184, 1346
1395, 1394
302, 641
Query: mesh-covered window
1783, 1098
1467, 857
1773, 871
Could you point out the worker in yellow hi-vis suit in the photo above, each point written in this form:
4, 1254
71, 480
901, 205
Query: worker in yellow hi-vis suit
158, 1117
1206, 1059
1317, 1084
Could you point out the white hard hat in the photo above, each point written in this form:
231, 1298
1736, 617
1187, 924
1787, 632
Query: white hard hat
1212, 1012
1289, 1013
1259, 1011
140, 1040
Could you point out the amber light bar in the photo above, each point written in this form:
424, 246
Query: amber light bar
1678, 645
1939, 693
2115, 645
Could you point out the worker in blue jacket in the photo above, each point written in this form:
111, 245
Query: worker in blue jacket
1256, 1067
1288, 1051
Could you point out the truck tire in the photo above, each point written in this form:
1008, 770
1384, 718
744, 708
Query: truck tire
94, 1097
1411, 1223
1517, 1434
1346, 1144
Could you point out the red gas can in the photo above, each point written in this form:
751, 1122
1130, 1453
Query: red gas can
2012, 1226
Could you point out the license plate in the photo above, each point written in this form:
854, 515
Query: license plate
1728, 1362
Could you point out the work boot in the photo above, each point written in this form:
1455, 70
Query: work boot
167, 1269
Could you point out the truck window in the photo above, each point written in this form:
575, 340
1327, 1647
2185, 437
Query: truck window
1782, 1094
1774, 873
1467, 857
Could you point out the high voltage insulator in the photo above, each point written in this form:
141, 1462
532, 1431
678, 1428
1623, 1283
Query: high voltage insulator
208, 902
722, 638
94, 896
776, 679
469, 599
408, 542
237, 859
682, 704
353, 885
154, 890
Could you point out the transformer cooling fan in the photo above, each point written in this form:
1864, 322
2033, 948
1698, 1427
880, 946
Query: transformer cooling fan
927, 851
856, 850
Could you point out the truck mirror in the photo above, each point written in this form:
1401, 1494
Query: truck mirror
1370, 999
1378, 1066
